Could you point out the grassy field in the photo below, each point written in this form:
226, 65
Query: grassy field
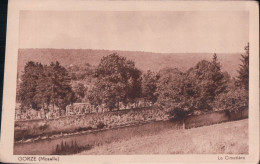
225, 138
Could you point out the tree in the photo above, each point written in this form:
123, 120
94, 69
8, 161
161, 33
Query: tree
29, 82
171, 96
94, 96
118, 80
199, 85
182, 94
80, 91
59, 84
80, 72
149, 87
234, 100
218, 77
43, 86
237, 97
243, 77
206, 80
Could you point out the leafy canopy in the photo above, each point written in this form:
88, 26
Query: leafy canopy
43, 86
118, 80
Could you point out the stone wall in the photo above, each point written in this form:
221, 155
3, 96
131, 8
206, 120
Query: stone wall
214, 118
69, 124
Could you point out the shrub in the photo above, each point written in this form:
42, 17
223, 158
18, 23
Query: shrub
100, 125
69, 148
43, 127
234, 100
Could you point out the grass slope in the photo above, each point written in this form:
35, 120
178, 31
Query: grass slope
225, 138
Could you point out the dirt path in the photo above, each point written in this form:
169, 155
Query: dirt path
225, 138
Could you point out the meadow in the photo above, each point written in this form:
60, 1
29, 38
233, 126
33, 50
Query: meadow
224, 138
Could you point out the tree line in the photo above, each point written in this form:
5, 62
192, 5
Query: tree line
116, 81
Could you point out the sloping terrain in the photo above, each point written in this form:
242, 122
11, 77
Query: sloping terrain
143, 60
224, 138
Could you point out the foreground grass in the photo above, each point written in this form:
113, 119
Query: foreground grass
225, 138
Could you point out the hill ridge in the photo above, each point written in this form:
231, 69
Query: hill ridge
144, 60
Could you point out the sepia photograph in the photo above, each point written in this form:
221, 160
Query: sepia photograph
116, 82
132, 82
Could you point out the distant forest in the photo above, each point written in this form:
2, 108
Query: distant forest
143, 60
180, 88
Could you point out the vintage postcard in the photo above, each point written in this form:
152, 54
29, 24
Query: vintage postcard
131, 82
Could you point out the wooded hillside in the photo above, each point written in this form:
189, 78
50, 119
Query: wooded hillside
143, 60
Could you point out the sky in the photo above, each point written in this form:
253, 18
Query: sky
150, 31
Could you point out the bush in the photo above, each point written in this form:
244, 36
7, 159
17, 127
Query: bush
234, 100
69, 148
100, 125
43, 127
